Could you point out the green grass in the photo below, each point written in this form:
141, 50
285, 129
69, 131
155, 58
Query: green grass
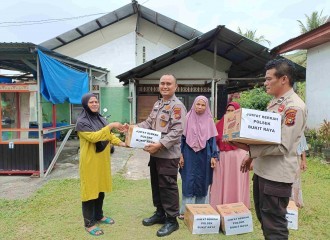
54, 212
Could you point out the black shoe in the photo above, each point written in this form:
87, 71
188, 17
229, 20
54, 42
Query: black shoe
154, 219
170, 226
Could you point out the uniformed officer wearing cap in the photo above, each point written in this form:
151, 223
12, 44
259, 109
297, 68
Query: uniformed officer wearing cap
275, 166
167, 116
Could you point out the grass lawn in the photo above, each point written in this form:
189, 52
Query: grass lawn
54, 212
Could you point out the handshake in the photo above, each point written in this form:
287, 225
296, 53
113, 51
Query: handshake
123, 128
120, 127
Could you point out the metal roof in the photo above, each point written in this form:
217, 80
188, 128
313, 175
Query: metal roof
307, 40
22, 57
248, 57
124, 12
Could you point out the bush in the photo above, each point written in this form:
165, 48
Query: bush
256, 98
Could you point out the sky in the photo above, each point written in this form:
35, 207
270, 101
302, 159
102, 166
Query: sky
275, 20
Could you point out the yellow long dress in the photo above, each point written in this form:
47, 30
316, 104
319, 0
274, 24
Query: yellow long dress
95, 168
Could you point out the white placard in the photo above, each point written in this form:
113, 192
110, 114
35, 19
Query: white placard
292, 217
261, 125
141, 137
238, 224
206, 224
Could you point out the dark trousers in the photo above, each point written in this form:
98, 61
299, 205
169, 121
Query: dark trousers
271, 200
92, 210
164, 186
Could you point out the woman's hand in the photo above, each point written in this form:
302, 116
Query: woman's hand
181, 162
124, 128
119, 126
213, 162
122, 144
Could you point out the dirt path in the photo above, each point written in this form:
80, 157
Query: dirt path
132, 163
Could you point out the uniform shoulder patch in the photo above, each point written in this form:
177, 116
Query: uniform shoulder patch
290, 117
177, 113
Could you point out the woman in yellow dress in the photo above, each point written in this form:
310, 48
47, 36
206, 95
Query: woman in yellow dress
95, 169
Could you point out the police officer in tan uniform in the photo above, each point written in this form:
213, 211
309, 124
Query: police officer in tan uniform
275, 166
167, 116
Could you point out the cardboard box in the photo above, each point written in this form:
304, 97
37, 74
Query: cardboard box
292, 215
202, 219
236, 218
139, 137
252, 127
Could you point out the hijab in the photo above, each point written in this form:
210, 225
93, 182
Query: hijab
89, 121
199, 128
224, 146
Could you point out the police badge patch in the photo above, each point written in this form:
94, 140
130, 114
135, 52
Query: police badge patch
290, 117
177, 113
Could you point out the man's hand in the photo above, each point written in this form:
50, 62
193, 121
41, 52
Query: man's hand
240, 145
246, 164
181, 162
213, 162
153, 147
303, 165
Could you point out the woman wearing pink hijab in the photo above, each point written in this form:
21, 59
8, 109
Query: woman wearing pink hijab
199, 153
229, 184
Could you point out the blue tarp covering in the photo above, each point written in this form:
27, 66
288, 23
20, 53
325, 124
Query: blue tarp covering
60, 83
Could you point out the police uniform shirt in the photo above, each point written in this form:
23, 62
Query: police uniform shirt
279, 162
167, 117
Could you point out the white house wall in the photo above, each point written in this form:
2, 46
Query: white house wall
192, 67
119, 49
112, 47
318, 85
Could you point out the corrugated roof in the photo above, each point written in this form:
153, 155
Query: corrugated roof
117, 15
307, 40
248, 57
22, 57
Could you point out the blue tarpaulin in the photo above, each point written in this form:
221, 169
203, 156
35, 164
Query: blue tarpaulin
60, 83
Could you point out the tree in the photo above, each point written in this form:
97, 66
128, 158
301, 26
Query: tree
252, 35
313, 21
256, 98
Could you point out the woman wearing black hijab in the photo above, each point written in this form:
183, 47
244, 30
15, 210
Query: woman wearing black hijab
95, 169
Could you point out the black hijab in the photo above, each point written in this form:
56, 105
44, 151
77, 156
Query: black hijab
89, 121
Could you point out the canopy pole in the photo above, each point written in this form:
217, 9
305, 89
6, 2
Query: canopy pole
40, 125
213, 99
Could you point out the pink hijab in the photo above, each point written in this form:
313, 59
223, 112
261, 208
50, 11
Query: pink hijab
199, 128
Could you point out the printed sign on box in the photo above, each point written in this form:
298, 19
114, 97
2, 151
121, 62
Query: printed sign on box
292, 215
202, 219
236, 218
252, 127
139, 137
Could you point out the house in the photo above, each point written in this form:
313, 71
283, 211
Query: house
119, 41
138, 44
317, 44
213, 64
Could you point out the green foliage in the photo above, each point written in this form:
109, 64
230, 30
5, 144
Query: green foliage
324, 133
301, 90
120, 135
312, 21
256, 99
299, 57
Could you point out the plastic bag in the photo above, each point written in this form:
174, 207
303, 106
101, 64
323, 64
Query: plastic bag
296, 195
